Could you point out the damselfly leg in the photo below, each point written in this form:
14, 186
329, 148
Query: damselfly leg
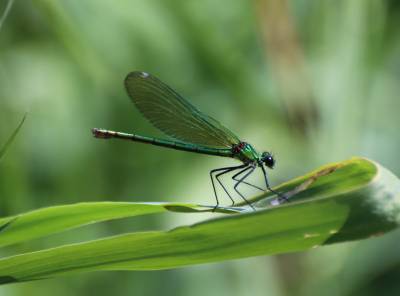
235, 177
281, 197
251, 170
222, 172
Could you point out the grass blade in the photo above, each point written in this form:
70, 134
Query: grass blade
344, 201
56, 219
11, 139
6, 12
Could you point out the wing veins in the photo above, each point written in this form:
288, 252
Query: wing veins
173, 115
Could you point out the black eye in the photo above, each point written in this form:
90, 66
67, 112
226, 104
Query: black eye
269, 160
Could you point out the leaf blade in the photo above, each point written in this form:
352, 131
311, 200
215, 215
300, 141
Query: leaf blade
50, 220
368, 208
11, 139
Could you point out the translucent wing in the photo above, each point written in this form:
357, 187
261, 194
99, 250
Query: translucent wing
173, 115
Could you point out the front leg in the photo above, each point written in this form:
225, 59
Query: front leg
281, 197
234, 177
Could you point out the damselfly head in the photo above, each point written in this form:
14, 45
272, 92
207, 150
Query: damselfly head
268, 159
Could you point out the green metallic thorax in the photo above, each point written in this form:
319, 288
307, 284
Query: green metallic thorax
247, 153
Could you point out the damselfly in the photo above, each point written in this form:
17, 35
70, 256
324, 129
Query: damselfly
192, 131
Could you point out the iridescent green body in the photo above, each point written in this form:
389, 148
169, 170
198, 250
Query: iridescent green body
242, 151
246, 153
190, 129
193, 130
177, 145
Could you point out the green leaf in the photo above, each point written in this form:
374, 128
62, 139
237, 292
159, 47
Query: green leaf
55, 219
345, 201
11, 139
6, 12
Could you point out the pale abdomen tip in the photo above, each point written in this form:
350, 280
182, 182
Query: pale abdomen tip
100, 133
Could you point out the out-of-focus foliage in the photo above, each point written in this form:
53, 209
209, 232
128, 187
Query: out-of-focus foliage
11, 138
313, 81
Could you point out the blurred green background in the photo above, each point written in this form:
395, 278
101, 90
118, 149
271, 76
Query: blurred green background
312, 81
